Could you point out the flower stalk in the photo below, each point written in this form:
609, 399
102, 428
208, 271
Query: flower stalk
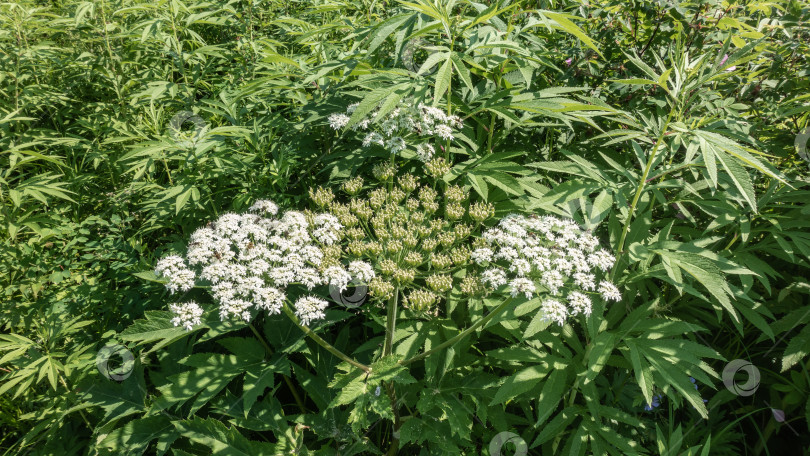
331, 349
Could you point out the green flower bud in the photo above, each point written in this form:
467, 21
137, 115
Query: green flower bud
413, 259
380, 288
356, 247
471, 286
440, 261
388, 266
321, 197
429, 244
412, 205
373, 248
408, 182
439, 283
353, 186
394, 246
455, 194
355, 233
396, 195
383, 171
376, 198
430, 207
404, 275
454, 211
447, 238
410, 241
481, 211
420, 300
460, 255
437, 167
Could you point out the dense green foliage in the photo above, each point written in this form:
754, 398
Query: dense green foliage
667, 129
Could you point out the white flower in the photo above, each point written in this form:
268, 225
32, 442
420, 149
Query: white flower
174, 268
521, 267
522, 285
495, 277
563, 265
553, 280
587, 242
444, 131
312, 254
328, 228
609, 291
227, 224
187, 314
270, 299
373, 138
238, 307
282, 275
310, 308
424, 152
352, 107
585, 281
396, 144
308, 277
389, 126
481, 255
338, 121
337, 277
361, 271
264, 206
507, 253
579, 303
602, 260
554, 310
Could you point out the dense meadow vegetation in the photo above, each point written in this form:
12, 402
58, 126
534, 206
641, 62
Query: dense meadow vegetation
426, 227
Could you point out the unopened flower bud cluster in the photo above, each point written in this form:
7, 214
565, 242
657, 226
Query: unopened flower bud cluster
407, 124
414, 236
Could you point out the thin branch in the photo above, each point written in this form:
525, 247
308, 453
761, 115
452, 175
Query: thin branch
322, 342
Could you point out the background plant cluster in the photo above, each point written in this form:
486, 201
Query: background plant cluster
666, 128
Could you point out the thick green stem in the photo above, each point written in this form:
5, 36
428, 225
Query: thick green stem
388, 348
322, 342
460, 335
391, 324
642, 183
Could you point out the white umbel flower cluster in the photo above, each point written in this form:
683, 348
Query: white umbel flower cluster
310, 308
174, 268
187, 314
546, 255
408, 121
251, 259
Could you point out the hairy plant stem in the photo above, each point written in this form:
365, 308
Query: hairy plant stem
390, 324
460, 335
287, 380
641, 184
322, 342
388, 348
